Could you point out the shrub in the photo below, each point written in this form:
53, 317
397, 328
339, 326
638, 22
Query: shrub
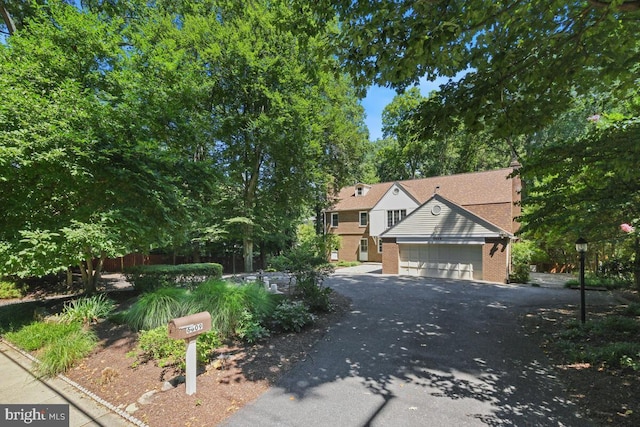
11, 290
593, 281
292, 316
309, 288
157, 308
251, 329
156, 345
521, 255
149, 277
87, 310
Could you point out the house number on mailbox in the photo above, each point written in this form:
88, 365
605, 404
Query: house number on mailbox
190, 329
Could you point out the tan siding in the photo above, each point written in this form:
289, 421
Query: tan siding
449, 222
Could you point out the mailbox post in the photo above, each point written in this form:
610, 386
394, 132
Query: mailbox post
188, 328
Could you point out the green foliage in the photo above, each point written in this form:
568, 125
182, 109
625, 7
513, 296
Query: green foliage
632, 309
156, 345
11, 290
610, 341
39, 334
58, 356
251, 329
87, 310
521, 256
470, 46
149, 277
157, 308
310, 289
593, 281
292, 316
15, 316
632, 362
233, 308
343, 263
59, 345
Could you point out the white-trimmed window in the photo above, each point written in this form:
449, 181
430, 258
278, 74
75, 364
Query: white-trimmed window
359, 191
364, 218
334, 219
379, 245
395, 216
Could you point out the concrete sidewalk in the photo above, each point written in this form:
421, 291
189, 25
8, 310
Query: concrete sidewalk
21, 386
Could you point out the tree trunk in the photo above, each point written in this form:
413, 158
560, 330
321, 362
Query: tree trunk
247, 249
89, 275
6, 16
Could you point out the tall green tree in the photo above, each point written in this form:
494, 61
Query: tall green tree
523, 60
81, 174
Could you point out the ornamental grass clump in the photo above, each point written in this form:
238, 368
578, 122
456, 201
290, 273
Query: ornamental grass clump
58, 345
87, 310
157, 308
235, 308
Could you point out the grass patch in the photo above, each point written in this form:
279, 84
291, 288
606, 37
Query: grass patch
11, 290
15, 316
58, 345
347, 263
37, 335
234, 308
58, 356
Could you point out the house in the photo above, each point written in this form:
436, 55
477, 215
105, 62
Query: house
457, 226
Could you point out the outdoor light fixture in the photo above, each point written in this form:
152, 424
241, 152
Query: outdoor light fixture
581, 247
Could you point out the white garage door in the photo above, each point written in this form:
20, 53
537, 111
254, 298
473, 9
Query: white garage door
447, 261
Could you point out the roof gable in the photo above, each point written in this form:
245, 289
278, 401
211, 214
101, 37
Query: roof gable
466, 189
440, 219
393, 195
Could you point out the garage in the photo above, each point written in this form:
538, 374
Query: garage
451, 261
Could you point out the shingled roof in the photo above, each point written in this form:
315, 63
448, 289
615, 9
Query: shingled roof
464, 189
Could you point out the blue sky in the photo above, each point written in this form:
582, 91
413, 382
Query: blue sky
378, 97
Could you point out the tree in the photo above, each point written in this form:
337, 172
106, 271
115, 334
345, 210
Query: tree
82, 175
591, 188
523, 60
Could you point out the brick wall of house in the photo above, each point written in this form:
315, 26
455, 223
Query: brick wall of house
494, 260
348, 223
390, 256
349, 248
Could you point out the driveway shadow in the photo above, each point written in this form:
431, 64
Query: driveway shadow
417, 352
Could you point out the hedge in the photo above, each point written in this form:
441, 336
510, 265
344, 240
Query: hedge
149, 277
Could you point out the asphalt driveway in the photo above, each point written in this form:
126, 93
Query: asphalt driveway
423, 352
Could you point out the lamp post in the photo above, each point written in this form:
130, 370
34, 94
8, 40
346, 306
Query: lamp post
581, 247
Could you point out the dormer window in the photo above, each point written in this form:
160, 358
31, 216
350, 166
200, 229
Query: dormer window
361, 190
